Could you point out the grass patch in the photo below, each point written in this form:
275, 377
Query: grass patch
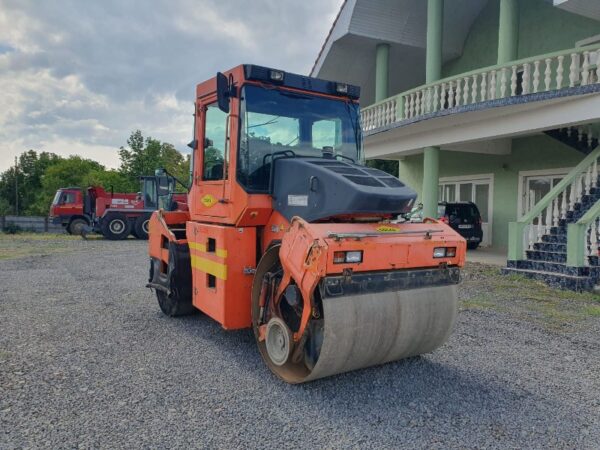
13, 246
37, 237
526, 299
593, 311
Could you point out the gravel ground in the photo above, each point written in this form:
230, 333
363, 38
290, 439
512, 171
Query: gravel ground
87, 360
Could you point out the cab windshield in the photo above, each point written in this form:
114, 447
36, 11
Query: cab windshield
276, 122
56, 197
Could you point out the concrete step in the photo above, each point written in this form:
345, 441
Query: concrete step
558, 231
555, 257
555, 238
555, 280
546, 247
553, 267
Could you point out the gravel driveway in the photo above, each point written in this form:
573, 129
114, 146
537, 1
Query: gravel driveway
87, 360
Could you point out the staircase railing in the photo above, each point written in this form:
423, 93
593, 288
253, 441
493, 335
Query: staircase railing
553, 207
542, 73
583, 238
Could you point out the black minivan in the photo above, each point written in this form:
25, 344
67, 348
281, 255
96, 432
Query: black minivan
463, 217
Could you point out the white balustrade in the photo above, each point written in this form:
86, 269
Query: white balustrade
503, 81
548, 73
585, 72
563, 204
536, 76
525, 79
559, 72
443, 95
379, 115
493, 85
531, 76
573, 72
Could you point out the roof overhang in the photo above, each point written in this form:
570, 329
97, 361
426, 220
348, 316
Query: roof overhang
348, 53
586, 8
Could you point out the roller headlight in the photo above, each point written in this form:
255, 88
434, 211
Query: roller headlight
444, 252
351, 257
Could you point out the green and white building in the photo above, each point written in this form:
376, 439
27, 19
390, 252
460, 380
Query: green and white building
492, 101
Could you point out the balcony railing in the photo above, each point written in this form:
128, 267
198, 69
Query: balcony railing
544, 73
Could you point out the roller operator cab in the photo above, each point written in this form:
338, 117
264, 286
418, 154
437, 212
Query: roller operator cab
289, 233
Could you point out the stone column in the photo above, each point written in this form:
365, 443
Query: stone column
433, 72
382, 68
508, 31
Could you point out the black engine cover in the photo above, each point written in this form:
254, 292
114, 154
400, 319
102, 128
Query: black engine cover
321, 188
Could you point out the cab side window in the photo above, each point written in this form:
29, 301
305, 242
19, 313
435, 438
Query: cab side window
68, 197
214, 148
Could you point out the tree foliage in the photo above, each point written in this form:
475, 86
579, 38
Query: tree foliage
390, 166
144, 156
39, 175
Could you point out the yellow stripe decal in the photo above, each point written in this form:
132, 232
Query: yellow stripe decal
221, 252
206, 265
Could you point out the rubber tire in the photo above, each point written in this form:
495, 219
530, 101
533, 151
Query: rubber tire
172, 306
138, 227
105, 227
76, 223
472, 245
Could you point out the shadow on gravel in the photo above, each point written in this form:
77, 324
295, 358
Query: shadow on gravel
410, 392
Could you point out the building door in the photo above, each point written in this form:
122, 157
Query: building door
476, 189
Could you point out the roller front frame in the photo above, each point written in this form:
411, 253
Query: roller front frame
389, 314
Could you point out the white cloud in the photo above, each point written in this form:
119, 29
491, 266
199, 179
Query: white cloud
78, 77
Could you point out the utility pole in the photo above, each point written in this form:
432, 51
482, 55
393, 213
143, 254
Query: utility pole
16, 187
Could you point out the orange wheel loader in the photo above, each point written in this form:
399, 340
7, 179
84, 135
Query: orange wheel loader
289, 233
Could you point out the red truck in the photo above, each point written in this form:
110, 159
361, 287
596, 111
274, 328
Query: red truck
116, 215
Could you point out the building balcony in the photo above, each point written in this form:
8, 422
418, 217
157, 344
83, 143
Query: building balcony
503, 101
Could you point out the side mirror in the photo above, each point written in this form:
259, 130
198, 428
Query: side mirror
223, 92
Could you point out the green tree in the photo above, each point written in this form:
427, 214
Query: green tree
73, 171
29, 173
5, 207
389, 166
144, 155
109, 179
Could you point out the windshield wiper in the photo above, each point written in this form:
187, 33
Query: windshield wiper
345, 157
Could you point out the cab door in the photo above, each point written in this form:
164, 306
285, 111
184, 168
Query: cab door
211, 176
71, 203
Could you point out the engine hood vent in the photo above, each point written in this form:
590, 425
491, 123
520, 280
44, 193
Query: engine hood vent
317, 189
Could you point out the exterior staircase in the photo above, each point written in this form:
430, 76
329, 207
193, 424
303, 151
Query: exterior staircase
581, 139
560, 235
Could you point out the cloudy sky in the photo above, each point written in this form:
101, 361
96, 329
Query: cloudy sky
77, 76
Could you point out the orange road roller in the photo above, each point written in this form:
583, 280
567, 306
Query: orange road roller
288, 232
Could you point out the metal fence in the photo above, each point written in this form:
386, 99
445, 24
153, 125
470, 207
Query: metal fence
36, 224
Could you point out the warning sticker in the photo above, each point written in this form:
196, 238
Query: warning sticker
387, 229
297, 200
208, 200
